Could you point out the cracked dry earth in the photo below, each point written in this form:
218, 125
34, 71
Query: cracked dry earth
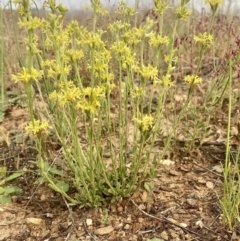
183, 206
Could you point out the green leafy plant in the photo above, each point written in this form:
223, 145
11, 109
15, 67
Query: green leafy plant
107, 128
7, 191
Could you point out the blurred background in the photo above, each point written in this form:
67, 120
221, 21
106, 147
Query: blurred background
229, 6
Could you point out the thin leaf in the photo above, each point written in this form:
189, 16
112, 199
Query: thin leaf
13, 176
4, 199
63, 186
12, 190
2, 190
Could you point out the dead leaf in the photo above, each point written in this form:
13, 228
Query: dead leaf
104, 230
218, 168
174, 173
184, 225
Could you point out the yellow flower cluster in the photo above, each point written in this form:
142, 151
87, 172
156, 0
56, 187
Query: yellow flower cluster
68, 94
86, 99
58, 40
36, 127
161, 6
93, 40
118, 25
54, 70
27, 75
137, 92
157, 40
90, 99
32, 44
192, 79
98, 7
100, 66
74, 54
205, 39
165, 81
182, 12
30, 24
145, 123
147, 72
213, 3
123, 53
125, 10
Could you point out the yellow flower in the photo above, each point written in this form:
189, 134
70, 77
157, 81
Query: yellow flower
165, 81
90, 99
123, 54
158, 40
36, 127
116, 26
131, 37
171, 57
96, 6
68, 93
205, 39
74, 54
147, 72
93, 40
182, 12
145, 123
32, 44
125, 10
27, 75
30, 24
138, 92
161, 6
213, 4
193, 79
60, 39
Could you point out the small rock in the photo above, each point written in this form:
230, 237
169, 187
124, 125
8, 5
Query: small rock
184, 225
210, 185
34, 221
140, 220
89, 222
142, 206
234, 131
167, 162
120, 209
199, 223
164, 235
192, 202
118, 226
129, 219
127, 227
